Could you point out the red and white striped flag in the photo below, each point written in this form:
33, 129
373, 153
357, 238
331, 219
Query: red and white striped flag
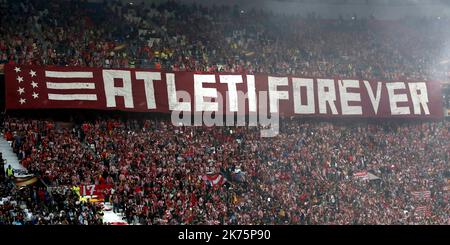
117, 223
214, 179
52, 87
364, 175
421, 194
423, 211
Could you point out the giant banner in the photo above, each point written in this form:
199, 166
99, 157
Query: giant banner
146, 90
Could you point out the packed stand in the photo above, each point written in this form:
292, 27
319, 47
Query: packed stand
36, 205
305, 175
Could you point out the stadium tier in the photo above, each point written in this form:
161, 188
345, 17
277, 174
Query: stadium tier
119, 113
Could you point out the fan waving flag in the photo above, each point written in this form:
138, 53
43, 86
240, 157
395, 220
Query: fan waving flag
361, 175
214, 179
51, 87
421, 194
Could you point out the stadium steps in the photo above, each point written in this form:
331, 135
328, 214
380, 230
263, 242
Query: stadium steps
11, 158
111, 218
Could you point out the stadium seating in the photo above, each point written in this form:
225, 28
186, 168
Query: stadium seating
153, 172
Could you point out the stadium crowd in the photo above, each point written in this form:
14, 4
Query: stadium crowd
306, 175
37, 206
173, 36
